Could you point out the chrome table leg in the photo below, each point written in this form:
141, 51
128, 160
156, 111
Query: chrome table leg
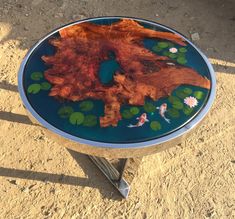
121, 178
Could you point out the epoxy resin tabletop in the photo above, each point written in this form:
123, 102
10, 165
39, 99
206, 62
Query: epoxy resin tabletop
116, 82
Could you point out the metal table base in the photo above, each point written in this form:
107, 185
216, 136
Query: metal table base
119, 172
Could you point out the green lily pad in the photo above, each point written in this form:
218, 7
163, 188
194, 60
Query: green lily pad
34, 88
134, 110
187, 110
65, 111
156, 49
90, 120
182, 49
155, 125
166, 53
177, 105
181, 94
162, 45
126, 114
36, 76
86, 105
173, 99
171, 44
174, 113
76, 118
173, 55
45, 86
187, 91
181, 55
181, 60
149, 107
198, 94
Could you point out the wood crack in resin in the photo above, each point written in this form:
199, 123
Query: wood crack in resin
73, 69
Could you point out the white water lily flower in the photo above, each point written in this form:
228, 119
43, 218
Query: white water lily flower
173, 50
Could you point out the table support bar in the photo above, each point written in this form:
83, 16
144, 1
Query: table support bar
120, 177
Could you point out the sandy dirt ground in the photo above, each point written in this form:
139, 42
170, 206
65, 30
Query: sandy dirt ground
39, 178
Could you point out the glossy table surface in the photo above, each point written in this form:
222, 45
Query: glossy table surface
154, 84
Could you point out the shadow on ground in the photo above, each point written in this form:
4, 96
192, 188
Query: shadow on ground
6, 86
95, 178
14, 117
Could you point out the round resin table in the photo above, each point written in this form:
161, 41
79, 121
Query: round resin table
116, 88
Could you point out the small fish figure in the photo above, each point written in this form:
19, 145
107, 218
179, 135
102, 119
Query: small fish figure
142, 119
162, 110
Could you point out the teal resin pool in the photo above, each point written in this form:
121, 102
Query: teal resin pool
139, 123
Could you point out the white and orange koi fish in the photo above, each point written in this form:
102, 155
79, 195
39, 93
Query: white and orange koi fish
162, 110
142, 119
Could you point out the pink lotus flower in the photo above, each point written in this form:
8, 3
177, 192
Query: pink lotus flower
191, 101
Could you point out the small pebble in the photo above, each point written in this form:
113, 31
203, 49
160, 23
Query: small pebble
12, 181
60, 14
201, 139
195, 36
52, 190
212, 49
64, 5
36, 2
26, 190
78, 17
199, 154
74, 17
19, 6
31, 186
30, 166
